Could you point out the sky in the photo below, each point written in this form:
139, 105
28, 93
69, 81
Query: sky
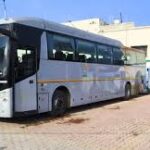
137, 11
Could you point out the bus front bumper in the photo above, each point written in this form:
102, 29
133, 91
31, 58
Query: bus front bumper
6, 104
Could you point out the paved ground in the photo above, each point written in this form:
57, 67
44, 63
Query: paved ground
114, 125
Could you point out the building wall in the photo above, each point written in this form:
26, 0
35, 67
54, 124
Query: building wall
90, 25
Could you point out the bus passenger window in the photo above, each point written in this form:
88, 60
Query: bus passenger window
82, 58
117, 56
60, 47
86, 51
59, 55
104, 54
69, 57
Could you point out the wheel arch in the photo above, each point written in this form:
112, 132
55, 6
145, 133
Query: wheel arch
66, 91
128, 90
128, 83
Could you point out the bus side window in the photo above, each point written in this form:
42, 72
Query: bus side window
117, 57
59, 55
60, 47
69, 57
104, 54
86, 51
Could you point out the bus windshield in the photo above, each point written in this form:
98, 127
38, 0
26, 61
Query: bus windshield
3, 54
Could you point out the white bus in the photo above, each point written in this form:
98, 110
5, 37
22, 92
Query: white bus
48, 67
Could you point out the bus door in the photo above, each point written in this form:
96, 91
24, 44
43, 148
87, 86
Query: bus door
25, 86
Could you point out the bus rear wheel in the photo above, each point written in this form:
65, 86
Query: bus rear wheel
127, 91
59, 103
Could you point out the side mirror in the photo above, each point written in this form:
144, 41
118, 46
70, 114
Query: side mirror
124, 58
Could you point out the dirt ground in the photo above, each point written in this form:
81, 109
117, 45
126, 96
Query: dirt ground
111, 125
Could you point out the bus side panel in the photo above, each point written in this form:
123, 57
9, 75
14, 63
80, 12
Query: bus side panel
86, 83
111, 81
53, 74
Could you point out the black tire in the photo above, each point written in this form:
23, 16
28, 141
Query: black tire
127, 91
137, 89
59, 103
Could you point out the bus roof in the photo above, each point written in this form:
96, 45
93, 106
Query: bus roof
63, 29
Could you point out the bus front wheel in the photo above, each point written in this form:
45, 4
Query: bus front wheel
59, 104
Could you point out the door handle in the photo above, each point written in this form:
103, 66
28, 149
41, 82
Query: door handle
31, 81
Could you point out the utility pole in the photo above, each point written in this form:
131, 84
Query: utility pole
5, 9
121, 18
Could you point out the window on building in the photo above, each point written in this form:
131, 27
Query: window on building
86, 51
104, 54
60, 47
